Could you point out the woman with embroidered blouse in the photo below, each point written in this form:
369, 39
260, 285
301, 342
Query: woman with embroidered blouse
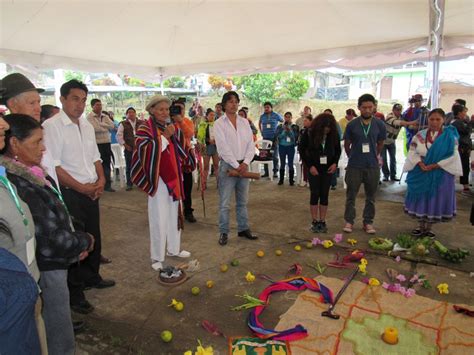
432, 164
58, 245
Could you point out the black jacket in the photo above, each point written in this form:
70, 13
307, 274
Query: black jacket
310, 154
57, 245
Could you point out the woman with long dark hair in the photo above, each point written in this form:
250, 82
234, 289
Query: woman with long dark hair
320, 151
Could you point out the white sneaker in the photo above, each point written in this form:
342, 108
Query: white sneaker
157, 266
182, 254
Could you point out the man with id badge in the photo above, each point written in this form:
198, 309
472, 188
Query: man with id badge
363, 143
268, 124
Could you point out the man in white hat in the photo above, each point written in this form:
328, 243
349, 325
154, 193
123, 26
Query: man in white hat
156, 169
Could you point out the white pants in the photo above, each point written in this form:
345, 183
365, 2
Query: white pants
163, 221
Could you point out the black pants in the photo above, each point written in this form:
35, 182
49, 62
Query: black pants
86, 214
319, 186
128, 166
465, 155
188, 188
105, 151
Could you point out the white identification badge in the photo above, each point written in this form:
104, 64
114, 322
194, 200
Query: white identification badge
365, 148
269, 125
323, 160
30, 250
288, 139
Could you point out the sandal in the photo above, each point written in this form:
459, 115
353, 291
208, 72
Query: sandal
429, 234
417, 232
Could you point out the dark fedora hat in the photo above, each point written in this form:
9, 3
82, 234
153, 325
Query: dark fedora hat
15, 84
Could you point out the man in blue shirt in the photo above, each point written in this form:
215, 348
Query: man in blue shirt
268, 124
363, 142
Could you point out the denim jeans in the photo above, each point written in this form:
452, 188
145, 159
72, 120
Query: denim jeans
227, 185
128, 166
286, 151
392, 152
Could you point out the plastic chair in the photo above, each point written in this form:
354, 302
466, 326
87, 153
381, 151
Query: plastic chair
263, 144
119, 162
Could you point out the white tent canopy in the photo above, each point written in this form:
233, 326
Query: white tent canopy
149, 39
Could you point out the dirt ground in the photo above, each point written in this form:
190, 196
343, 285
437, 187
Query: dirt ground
129, 317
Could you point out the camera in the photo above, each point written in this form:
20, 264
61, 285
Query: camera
175, 110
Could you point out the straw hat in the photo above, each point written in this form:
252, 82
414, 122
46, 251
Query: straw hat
156, 100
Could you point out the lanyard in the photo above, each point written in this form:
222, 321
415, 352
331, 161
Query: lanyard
366, 132
60, 196
15, 198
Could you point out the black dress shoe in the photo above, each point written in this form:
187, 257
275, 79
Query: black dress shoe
101, 284
385, 179
264, 176
395, 179
77, 326
190, 217
223, 239
247, 234
83, 307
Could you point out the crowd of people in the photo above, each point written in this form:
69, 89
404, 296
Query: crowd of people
55, 164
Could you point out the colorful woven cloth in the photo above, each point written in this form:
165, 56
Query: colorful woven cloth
298, 283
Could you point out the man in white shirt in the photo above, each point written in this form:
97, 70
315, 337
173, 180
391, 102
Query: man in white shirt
71, 140
102, 124
21, 96
236, 149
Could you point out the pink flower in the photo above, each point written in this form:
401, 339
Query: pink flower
396, 287
401, 278
397, 259
414, 279
386, 285
337, 238
365, 280
316, 241
402, 290
410, 292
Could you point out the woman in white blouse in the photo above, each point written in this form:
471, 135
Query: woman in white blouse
432, 165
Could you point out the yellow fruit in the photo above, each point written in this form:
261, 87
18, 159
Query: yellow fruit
297, 247
278, 252
179, 306
166, 336
210, 284
224, 268
260, 253
195, 290
309, 245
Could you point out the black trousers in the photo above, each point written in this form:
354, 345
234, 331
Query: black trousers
465, 155
188, 188
128, 166
85, 213
105, 150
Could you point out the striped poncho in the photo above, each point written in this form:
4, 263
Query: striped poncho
149, 162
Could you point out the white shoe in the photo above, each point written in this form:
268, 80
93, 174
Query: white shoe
182, 254
157, 266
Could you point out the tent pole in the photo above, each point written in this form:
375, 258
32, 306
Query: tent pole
436, 38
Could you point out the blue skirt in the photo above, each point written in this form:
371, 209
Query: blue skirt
440, 207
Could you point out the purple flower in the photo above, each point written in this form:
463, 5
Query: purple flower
402, 290
410, 292
396, 287
316, 241
414, 278
337, 238
397, 259
365, 280
385, 285
401, 278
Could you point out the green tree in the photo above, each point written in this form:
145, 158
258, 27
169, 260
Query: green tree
174, 82
260, 88
294, 87
69, 75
